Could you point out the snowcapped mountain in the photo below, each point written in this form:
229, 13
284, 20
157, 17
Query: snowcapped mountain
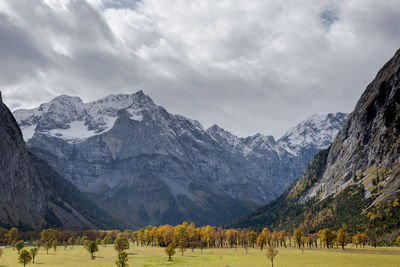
147, 166
317, 131
72, 120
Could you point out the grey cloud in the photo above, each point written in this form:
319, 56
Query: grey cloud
118, 4
21, 57
253, 66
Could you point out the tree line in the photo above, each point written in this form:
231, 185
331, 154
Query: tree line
180, 237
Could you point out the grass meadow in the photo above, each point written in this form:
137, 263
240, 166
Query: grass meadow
154, 256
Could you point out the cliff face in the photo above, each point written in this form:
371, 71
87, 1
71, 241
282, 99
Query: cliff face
367, 148
23, 198
32, 194
357, 180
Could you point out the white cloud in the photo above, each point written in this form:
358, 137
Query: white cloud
249, 66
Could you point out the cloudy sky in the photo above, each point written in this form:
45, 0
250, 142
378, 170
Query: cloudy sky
248, 66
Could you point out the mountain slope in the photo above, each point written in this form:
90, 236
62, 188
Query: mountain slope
147, 166
360, 173
33, 195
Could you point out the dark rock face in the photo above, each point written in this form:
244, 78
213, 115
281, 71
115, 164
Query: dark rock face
147, 166
368, 144
32, 193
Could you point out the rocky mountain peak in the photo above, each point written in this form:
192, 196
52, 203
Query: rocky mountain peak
68, 117
318, 130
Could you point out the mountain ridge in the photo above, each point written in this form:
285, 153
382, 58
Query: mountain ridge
143, 139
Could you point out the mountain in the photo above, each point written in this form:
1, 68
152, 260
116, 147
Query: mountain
357, 180
276, 164
147, 166
34, 195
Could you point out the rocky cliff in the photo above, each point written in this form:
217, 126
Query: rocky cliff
357, 181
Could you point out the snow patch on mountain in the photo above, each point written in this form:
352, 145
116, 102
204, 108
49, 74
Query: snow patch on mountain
318, 131
28, 132
72, 120
77, 131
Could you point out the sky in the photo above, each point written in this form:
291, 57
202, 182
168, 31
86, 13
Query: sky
258, 66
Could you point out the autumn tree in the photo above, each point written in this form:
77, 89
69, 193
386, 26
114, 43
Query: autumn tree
47, 246
282, 238
252, 238
327, 237
33, 252
71, 241
208, 235
181, 237
106, 241
363, 239
92, 248
19, 245
24, 257
356, 240
221, 235
398, 240
298, 236
271, 253
263, 237
170, 251
122, 259
1, 252
342, 238
193, 236
13, 235
54, 244
121, 243
231, 237
48, 235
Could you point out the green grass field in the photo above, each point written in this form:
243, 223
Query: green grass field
148, 256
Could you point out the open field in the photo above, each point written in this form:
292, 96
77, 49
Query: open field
154, 256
